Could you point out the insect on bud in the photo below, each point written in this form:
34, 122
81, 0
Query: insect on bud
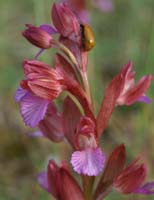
88, 38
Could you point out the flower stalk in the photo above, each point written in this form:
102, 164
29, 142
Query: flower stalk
87, 86
88, 182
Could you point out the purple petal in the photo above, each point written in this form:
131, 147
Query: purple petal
33, 109
48, 28
144, 99
20, 93
146, 189
37, 133
89, 161
43, 181
104, 5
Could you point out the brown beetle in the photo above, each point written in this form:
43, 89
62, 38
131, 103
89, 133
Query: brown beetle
88, 38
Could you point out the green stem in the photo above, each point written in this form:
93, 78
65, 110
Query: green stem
87, 87
68, 53
88, 182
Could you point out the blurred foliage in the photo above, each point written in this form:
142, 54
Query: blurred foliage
126, 33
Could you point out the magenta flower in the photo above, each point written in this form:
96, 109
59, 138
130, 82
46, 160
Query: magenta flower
74, 122
88, 158
45, 84
40, 87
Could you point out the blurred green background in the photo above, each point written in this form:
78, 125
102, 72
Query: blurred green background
123, 34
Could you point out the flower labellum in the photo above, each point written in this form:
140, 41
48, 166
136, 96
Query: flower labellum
32, 107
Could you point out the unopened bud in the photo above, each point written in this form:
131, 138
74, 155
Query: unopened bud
38, 36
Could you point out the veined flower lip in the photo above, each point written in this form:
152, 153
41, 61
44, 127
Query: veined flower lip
89, 161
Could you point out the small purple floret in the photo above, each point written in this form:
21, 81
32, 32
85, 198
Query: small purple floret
146, 189
43, 181
89, 161
144, 99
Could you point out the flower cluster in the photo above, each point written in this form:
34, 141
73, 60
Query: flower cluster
76, 122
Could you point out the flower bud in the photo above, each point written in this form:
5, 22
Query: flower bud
130, 178
60, 183
65, 21
38, 37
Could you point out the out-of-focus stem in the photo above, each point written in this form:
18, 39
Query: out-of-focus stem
83, 74
103, 195
68, 53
